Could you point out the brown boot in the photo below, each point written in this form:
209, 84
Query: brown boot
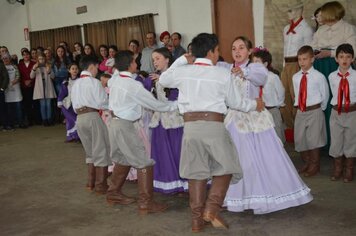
197, 198
91, 177
338, 168
145, 190
101, 175
216, 197
114, 194
306, 158
314, 166
349, 170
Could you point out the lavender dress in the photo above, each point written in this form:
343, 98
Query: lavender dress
270, 181
64, 99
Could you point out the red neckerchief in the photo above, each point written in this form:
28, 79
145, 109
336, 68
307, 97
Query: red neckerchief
302, 99
344, 91
84, 76
201, 64
124, 76
293, 25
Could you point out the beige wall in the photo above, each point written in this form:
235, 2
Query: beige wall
276, 19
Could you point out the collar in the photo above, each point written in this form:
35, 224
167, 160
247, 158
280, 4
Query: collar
203, 61
242, 65
311, 69
85, 73
337, 24
349, 70
125, 74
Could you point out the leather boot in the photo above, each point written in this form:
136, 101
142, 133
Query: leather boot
145, 190
349, 170
338, 168
91, 177
314, 166
216, 197
114, 194
306, 158
101, 175
197, 198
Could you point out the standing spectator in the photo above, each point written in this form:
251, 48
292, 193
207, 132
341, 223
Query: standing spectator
34, 55
295, 35
60, 68
146, 60
78, 52
134, 46
49, 55
68, 53
89, 50
4, 81
165, 38
330, 35
44, 90
106, 66
27, 85
13, 96
178, 50
60, 74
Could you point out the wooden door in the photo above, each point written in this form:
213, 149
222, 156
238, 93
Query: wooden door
232, 18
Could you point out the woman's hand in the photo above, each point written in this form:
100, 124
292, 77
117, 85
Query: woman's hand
237, 71
323, 54
154, 76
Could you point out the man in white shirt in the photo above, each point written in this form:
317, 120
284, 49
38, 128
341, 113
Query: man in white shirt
146, 59
297, 34
127, 97
205, 91
88, 97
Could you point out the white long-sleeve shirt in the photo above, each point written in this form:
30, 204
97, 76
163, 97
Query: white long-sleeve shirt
273, 91
317, 88
332, 36
334, 80
128, 96
88, 92
204, 87
292, 42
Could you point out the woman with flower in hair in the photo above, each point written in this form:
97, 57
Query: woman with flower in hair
270, 181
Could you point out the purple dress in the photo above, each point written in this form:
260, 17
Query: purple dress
270, 181
67, 109
166, 142
167, 133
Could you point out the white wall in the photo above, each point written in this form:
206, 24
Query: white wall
188, 17
13, 20
258, 16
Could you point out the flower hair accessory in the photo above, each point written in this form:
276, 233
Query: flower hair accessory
260, 48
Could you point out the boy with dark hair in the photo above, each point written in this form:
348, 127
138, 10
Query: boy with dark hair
127, 97
311, 97
343, 115
207, 149
88, 97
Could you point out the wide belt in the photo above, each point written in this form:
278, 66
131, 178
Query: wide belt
207, 116
291, 59
269, 108
313, 107
352, 108
84, 110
